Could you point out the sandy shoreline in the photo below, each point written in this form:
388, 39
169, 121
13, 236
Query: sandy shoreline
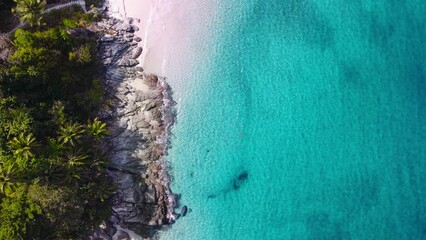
167, 29
157, 28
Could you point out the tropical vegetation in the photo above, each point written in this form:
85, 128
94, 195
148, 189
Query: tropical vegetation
30, 11
53, 181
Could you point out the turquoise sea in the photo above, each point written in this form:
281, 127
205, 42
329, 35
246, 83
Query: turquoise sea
305, 119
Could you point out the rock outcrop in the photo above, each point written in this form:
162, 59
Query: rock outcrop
139, 116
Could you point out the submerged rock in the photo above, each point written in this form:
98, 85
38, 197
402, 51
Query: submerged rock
236, 184
184, 211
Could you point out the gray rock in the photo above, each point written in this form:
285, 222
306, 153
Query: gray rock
121, 235
128, 20
135, 28
150, 195
104, 236
79, 32
111, 21
137, 218
142, 124
125, 181
125, 62
127, 39
107, 38
111, 230
184, 211
123, 209
114, 219
107, 61
140, 75
118, 49
123, 27
129, 35
142, 195
156, 114
136, 53
130, 196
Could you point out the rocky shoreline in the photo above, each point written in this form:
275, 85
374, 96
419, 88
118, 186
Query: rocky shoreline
139, 116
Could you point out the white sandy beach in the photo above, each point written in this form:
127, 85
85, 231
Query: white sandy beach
167, 29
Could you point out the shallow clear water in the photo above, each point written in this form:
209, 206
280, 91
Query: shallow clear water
319, 107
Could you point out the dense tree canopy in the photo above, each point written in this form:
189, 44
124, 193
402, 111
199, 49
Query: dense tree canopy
53, 62
53, 183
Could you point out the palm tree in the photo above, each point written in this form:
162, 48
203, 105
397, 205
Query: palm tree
100, 161
53, 171
30, 10
23, 145
76, 159
8, 179
58, 112
70, 133
73, 162
97, 129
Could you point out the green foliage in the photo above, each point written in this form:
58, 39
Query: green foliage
30, 11
81, 55
58, 112
69, 23
18, 217
74, 162
71, 17
66, 179
97, 129
70, 133
9, 179
94, 95
61, 208
35, 53
14, 120
23, 145
53, 183
57, 64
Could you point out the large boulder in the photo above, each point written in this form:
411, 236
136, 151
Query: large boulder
121, 235
136, 52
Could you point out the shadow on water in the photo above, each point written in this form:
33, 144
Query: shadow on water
235, 184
